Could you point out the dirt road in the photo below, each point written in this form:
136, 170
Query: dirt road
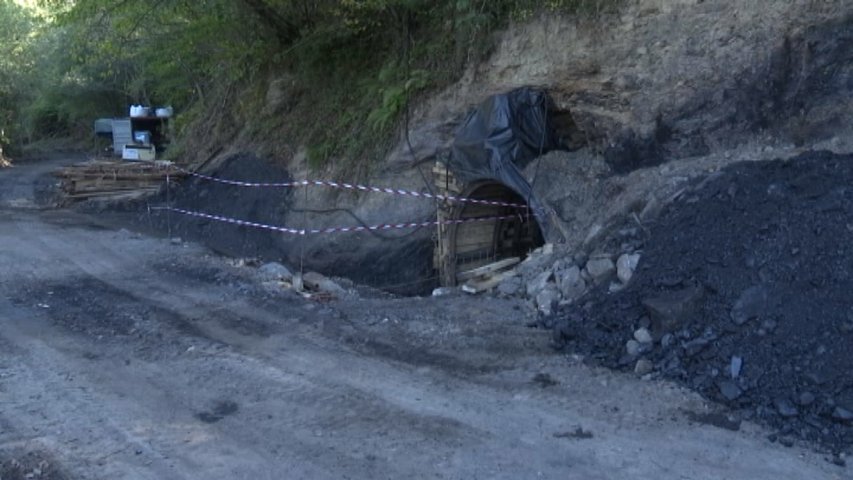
128, 356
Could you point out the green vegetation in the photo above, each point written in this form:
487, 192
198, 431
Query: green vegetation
351, 66
16, 64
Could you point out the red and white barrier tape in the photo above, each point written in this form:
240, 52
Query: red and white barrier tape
293, 231
349, 186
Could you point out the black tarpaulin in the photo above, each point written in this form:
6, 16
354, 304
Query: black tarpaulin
501, 137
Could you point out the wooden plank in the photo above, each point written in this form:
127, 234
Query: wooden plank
474, 258
476, 229
474, 264
479, 286
468, 249
486, 240
126, 193
487, 269
119, 176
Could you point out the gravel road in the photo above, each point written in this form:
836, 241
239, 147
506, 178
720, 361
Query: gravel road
123, 355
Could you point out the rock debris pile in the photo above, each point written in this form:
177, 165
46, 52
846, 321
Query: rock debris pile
743, 292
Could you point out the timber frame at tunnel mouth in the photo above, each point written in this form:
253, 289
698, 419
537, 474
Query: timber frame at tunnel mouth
461, 247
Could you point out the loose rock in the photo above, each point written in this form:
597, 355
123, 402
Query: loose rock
735, 366
695, 346
729, 390
669, 310
599, 269
572, 285
509, 287
752, 303
443, 291
785, 407
274, 271
643, 335
842, 415
316, 281
633, 347
625, 266
643, 366
805, 399
546, 300
538, 283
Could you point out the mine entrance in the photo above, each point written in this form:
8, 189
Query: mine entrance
509, 232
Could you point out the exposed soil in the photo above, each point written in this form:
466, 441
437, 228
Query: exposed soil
745, 284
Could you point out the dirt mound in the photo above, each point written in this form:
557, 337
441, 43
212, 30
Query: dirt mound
745, 286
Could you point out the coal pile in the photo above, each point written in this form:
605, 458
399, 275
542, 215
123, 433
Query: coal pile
396, 261
264, 205
744, 292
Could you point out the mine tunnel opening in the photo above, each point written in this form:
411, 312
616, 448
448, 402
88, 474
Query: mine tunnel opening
570, 136
505, 231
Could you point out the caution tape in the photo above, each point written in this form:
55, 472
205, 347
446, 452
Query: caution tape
350, 186
365, 228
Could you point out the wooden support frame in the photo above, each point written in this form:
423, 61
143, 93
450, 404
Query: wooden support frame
469, 246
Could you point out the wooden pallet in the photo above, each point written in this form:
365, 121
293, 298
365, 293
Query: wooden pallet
114, 180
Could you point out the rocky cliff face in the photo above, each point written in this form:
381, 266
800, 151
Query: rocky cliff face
664, 80
691, 84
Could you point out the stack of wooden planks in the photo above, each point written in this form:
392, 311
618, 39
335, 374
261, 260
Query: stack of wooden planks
488, 276
114, 180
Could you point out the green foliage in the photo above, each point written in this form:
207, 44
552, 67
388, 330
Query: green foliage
318, 155
357, 65
395, 96
163, 51
17, 32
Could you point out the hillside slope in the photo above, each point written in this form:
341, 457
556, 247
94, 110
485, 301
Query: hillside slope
693, 85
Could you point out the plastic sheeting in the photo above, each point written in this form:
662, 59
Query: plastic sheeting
501, 137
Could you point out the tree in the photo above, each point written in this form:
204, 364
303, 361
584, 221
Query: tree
17, 30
